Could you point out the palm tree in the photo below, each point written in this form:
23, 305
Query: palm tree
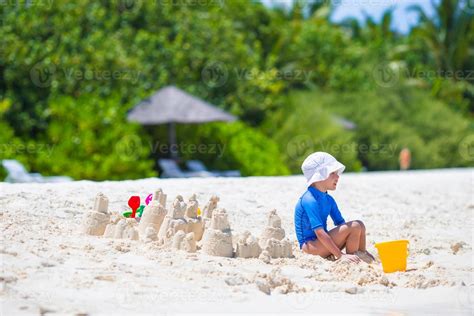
369, 31
448, 36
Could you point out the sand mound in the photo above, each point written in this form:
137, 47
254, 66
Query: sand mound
420, 281
275, 282
96, 221
173, 222
150, 234
247, 246
194, 221
180, 228
126, 228
160, 197
272, 239
47, 249
217, 239
122, 228
183, 241
208, 209
153, 214
273, 229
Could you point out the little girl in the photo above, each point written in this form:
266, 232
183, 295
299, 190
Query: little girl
322, 172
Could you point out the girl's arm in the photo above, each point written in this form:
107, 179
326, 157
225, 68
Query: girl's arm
335, 213
327, 242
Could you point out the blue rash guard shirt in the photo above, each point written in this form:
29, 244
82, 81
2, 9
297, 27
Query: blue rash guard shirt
312, 211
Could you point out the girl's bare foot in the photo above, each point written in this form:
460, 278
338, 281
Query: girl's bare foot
370, 255
365, 256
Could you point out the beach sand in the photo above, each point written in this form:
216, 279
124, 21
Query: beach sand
48, 265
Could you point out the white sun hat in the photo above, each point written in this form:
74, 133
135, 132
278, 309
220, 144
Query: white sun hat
319, 165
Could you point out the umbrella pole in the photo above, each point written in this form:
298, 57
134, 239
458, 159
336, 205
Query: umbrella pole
172, 141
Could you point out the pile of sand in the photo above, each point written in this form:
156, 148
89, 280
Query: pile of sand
276, 282
273, 240
122, 265
182, 228
97, 219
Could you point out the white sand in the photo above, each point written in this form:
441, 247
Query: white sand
48, 265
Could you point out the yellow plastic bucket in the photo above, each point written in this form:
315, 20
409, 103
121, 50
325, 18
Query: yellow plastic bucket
393, 254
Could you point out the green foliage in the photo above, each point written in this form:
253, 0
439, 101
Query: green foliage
10, 146
315, 53
243, 148
88, 138
442, 52
391, 119
303, 126
131, 49
70, 70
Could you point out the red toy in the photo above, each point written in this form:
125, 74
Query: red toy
134, 203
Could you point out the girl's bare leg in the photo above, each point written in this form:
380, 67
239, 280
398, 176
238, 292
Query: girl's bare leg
362, 236
346, 235
353, 241
362, 242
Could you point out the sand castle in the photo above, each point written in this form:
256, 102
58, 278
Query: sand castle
217, 238
96, 220
194, 221
273, 229
247, 246
181, 228
126, 228
173, 222
183, 241
160, 197
273, 241
153, 214
110, 228
207, 211
150, 234
122, 228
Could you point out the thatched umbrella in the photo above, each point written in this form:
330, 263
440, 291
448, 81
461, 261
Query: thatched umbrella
171, 105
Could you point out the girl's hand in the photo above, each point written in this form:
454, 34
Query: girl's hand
349, 258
